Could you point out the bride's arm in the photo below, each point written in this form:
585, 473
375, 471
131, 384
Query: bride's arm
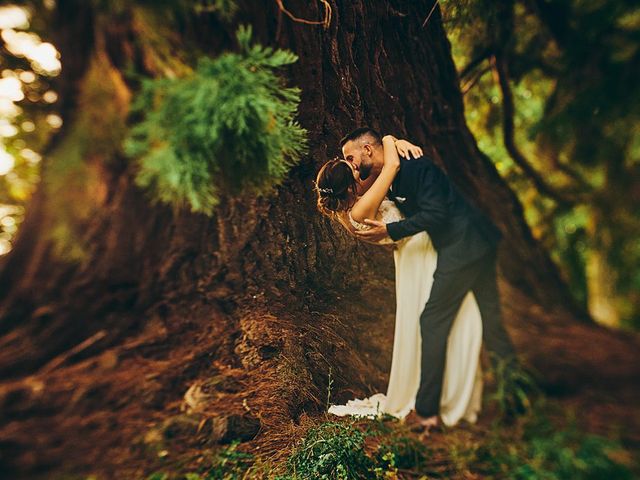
367, 205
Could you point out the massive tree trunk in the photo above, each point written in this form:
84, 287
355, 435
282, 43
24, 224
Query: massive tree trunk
254, 309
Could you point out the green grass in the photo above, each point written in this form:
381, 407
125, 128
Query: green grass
544, 451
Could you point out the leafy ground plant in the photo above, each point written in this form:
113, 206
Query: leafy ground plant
547, 452
230, 463
332, 451
515, 389
353, 450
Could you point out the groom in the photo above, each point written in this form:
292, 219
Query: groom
466, 242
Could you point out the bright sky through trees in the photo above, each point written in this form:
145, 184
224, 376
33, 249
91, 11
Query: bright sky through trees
35, 59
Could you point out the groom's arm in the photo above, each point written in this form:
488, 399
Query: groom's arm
431, 201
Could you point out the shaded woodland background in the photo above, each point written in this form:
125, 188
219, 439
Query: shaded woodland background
152, 319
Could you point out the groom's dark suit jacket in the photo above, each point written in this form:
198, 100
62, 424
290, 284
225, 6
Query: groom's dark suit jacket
459, 231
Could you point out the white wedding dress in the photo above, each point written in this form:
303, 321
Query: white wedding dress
415, 261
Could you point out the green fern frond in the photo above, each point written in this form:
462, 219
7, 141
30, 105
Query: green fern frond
229, 127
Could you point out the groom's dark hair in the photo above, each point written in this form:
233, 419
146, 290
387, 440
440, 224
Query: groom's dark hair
361, 132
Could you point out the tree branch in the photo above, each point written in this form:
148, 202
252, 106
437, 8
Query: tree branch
481, 57
426, 20
508, 131
469, 85
325, 22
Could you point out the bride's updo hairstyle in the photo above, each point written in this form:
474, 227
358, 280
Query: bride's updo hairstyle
336, 187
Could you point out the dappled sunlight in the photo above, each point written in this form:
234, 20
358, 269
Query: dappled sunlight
26, 119
44, 58
54, 121
13, 16
43, 55
6, 162
11, 89
8, 214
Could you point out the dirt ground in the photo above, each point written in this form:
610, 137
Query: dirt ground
199, 375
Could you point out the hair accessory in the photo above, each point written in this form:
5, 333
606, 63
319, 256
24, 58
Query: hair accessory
326, 191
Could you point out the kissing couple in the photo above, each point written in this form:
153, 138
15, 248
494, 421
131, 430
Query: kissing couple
445, 253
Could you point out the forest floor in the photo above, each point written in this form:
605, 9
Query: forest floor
199, 375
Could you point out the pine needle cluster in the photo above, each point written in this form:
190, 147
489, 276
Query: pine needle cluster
227, 128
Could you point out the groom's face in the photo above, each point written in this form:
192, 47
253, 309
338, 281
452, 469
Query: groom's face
360, 155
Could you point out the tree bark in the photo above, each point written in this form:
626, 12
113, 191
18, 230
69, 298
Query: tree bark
253, 310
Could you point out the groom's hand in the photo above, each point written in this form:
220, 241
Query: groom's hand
377, 232
406, 149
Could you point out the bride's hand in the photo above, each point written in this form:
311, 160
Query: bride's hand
406, 148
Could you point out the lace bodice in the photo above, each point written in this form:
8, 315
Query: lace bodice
387, 213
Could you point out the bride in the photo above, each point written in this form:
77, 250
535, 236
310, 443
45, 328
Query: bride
342, 196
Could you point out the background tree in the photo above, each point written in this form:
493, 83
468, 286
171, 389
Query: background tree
117, 314
550, 93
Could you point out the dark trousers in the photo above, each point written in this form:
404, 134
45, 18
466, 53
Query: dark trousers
447, 293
